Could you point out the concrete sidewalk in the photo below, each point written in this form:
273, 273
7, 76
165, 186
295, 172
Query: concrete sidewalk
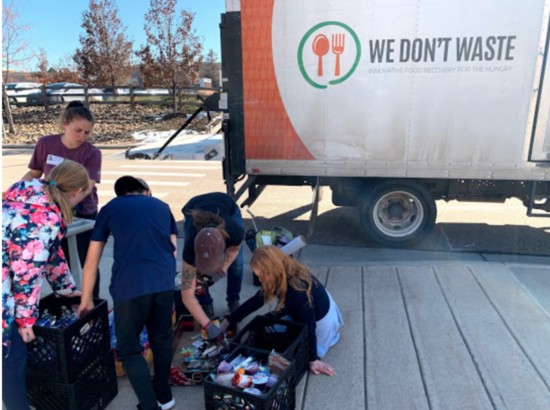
427, 330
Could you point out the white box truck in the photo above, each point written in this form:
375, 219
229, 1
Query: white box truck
392, 104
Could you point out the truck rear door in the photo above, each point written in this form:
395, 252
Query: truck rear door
540, 142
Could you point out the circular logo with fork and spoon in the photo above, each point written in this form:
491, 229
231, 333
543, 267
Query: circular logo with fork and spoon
328, 54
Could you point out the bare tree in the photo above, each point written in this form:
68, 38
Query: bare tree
172, 55
211, 68
64, 71
41, 74
14, 46
105, 54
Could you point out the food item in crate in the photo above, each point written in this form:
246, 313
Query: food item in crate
224, 367
252, 390
261, 390
260, 378
46, 319
225, 379
271, 381
67, 317
248, 372
252, 368
212, 351
195, 361
241, 381
277, 363
198, 354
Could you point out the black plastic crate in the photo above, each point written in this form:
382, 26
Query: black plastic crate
281, 396
285, 337
63, 354
94, 389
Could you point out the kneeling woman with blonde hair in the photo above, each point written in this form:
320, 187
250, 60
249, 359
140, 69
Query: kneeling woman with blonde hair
300, 296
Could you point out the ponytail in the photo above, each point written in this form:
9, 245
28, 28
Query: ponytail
206, 219
65, 178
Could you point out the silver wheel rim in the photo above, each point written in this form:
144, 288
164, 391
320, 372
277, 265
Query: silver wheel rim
398, 214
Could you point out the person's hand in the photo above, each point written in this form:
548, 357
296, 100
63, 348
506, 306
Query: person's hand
27, 334
85, 307
319, 367
213, 332
224, 325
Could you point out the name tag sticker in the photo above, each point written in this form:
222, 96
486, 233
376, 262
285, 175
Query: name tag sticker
54, 160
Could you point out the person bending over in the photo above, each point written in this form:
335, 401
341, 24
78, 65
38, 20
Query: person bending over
35, 214
217, 211
142, 284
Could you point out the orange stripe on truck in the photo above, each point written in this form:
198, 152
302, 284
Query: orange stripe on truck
269, 134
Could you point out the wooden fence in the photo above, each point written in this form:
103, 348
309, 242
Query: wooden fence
175, 98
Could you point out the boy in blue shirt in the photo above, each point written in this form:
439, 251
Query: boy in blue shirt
142, 284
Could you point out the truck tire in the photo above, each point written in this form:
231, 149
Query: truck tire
397, 213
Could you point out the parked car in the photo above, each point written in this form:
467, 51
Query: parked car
59, 93
18, 92
151, 91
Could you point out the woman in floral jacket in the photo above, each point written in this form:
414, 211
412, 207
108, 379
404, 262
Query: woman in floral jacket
34, 217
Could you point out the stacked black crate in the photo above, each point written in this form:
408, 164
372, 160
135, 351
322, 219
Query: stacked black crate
71, 367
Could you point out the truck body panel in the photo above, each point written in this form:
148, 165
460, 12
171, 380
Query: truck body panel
450, 90
393, 104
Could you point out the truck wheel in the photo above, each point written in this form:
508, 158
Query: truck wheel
397, 213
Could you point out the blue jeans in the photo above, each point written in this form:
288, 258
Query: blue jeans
14, 363
155, 312
234, 273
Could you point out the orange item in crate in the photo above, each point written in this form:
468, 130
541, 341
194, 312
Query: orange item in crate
119, 369
147, 354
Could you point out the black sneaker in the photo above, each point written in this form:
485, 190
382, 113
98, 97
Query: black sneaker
141, 408
168, 405
165, 400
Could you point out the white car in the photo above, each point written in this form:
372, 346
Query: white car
151, 91
59, 93
17, 92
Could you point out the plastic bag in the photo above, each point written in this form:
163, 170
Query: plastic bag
277, 236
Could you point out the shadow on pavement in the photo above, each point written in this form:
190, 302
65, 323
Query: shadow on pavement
341, 227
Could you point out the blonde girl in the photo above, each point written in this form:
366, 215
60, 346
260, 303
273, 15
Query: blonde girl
35, 214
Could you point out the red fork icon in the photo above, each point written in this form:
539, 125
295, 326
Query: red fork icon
338, 43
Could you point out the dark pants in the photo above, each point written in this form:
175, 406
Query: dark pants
14, 363
82, 244
155, 312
